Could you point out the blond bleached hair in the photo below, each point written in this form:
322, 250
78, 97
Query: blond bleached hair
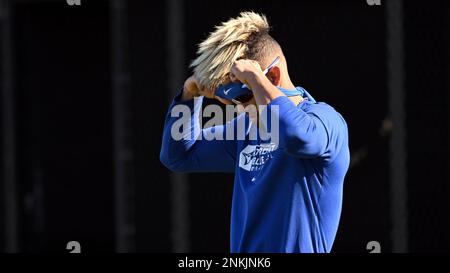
228, 43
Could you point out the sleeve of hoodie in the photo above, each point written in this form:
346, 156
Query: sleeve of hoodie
315, 131
195, 151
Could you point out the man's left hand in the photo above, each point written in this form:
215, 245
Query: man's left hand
244, 70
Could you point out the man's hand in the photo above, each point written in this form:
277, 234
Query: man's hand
249, 72
245, 71
193, 89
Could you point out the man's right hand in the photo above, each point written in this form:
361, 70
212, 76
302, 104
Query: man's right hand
193, 89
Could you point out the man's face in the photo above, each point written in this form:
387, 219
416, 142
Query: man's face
248, 107
246, 102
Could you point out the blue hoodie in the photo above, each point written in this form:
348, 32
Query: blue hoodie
286, 197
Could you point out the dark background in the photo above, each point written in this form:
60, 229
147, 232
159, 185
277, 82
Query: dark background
64, 113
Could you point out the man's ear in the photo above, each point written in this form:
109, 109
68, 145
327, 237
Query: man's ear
274, 75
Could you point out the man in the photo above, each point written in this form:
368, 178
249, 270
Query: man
287, 195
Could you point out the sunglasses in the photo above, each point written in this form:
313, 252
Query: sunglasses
247, 97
